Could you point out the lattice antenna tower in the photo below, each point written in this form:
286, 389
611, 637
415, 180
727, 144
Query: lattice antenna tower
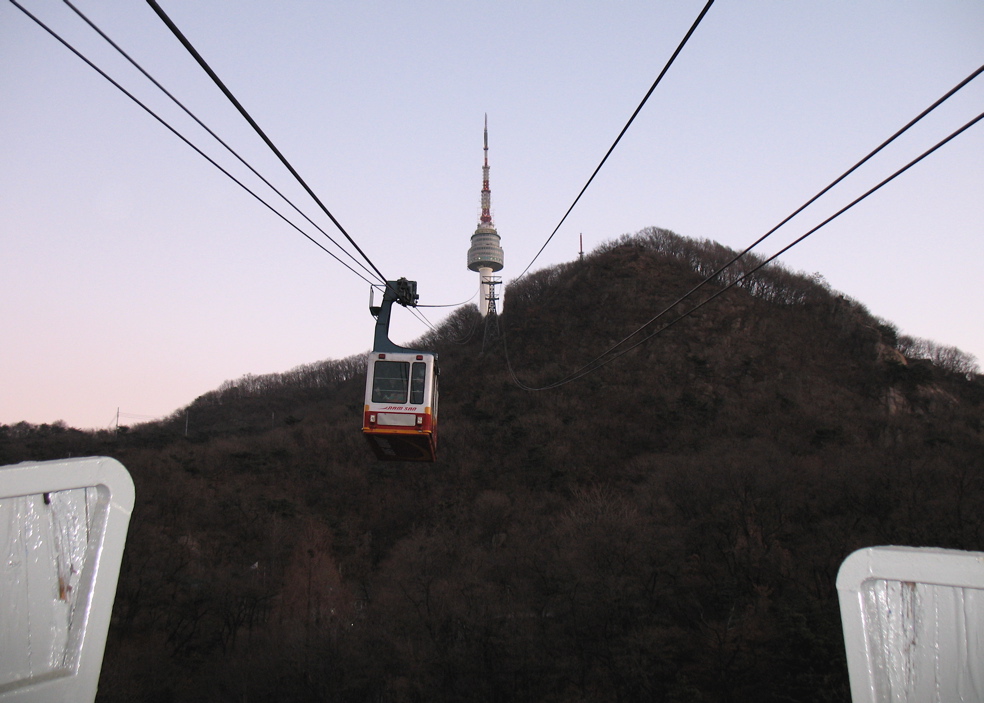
492, 317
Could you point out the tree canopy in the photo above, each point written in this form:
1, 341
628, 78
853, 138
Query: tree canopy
666, 528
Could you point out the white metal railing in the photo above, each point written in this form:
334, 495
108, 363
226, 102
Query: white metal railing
63, 527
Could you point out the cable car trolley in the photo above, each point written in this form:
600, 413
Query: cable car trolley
400, 416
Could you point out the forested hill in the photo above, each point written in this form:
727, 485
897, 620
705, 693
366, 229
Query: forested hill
666, 528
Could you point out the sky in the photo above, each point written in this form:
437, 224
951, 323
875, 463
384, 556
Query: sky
135, 276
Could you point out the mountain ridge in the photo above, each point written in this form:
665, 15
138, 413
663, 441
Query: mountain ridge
668, 527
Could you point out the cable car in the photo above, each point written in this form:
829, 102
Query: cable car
400, 418
400, 415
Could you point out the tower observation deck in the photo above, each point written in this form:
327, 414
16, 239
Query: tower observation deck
485, 253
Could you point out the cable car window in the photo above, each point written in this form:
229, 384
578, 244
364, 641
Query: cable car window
389, 381
417, 383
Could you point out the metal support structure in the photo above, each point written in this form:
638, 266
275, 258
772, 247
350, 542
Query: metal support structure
400, 291
492, 317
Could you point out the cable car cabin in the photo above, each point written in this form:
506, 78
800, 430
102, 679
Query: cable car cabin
400, 418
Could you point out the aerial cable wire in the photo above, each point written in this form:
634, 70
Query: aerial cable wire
796, 212
592, 366
421, 316
218, 82
467, 337
211, 132
136, 416
453, 305
659, 78
584, 370
157, 117
812, 200
600, 360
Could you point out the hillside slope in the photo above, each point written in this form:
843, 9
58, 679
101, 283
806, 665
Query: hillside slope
666, 528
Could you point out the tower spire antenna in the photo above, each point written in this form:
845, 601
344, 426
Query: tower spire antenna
486, 218
485, 254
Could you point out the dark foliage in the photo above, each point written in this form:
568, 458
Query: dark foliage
668, 528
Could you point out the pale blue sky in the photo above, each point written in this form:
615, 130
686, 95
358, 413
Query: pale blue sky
135, 275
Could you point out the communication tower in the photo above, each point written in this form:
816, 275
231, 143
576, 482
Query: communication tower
485, 253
